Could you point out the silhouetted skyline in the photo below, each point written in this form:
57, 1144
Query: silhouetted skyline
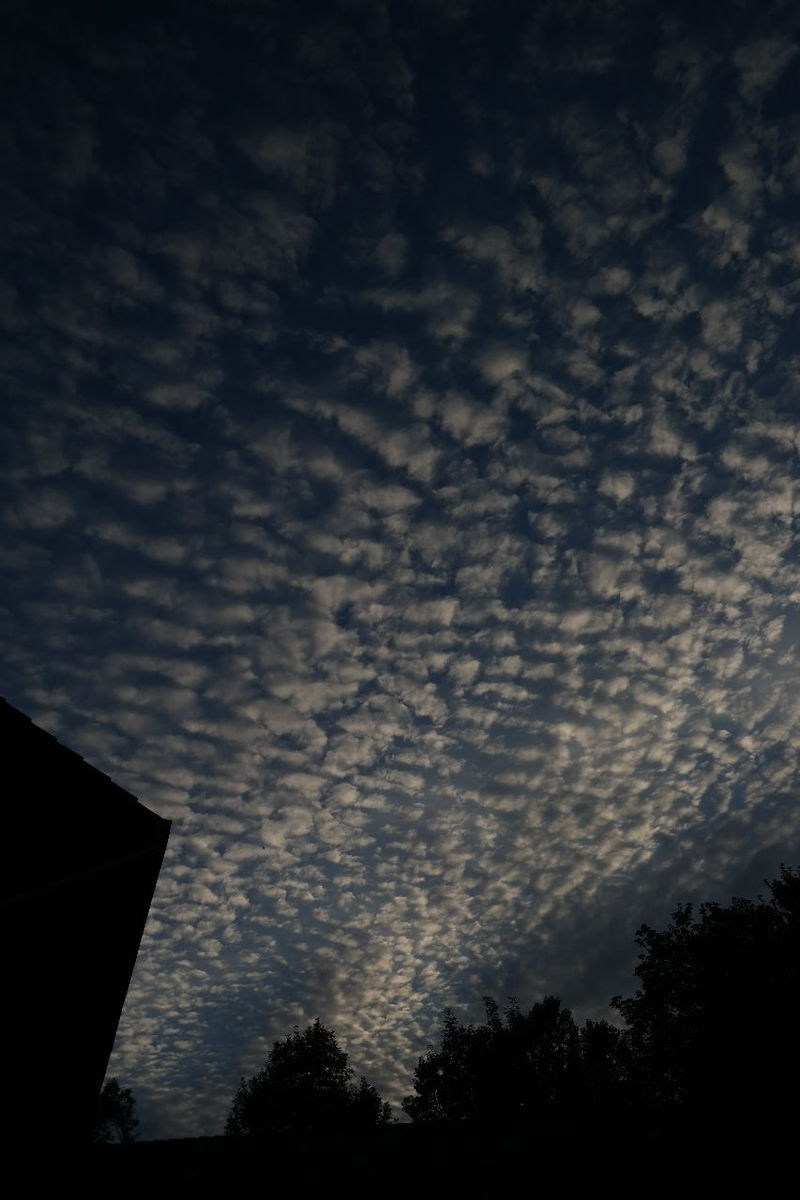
400, 450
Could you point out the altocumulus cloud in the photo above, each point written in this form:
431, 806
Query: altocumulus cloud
401, 464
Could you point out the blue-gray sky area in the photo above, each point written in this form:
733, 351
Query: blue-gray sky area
400, 479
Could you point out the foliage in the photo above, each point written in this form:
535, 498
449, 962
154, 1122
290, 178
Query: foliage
116, 1119
509, 1068
305, 1086
606, 1068
713, 1028
367, 1108
713, 1025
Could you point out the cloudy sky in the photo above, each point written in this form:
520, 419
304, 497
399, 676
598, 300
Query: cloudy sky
400, 445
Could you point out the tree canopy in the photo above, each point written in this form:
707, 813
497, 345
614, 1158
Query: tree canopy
516, 1066
713, 1028
116, 1117
714, 1023
305, 1086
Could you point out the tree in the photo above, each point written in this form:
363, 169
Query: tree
116, 1119
366, 1106
501, 1071
604, 1083
305, 1086
713, 1027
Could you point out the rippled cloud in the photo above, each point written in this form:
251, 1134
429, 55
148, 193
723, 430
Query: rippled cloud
402, 469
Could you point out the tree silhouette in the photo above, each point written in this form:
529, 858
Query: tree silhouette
712, 1038
606, 1070
116, 1119
504, 1070
304, 1086
367, 1108
713, 1027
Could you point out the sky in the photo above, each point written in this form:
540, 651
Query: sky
400, 457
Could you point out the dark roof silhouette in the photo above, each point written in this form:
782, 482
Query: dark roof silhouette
80, 861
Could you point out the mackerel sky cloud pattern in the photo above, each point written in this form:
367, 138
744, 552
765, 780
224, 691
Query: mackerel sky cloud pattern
401, 454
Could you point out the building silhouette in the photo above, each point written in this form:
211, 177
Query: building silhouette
80, 861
